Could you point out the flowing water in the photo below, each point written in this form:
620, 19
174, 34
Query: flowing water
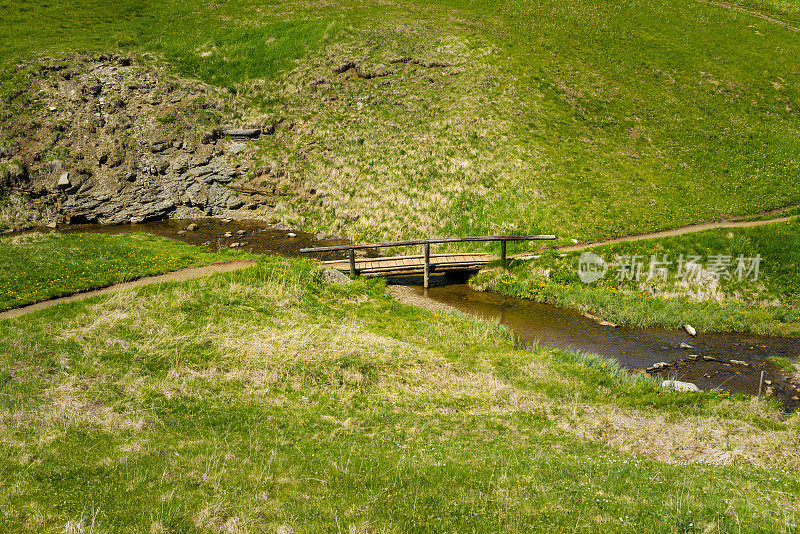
707, 363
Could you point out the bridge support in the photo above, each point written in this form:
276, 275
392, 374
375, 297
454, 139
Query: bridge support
503, 252
427, 271
352, 256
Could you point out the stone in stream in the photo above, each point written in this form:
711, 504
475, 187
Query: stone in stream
661, 365
769, 392
686, 346
709, 358
679, 386
690, 329
740, 363
692, 357
192, 227
291, 234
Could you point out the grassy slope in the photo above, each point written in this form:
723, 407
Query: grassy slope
35, 267
768, 304
587, 119
262, 399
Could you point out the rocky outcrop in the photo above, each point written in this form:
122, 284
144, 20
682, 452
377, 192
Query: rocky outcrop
107, 139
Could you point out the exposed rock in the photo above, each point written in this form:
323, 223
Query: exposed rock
686, 346
740, 363
192, 227
130, 160
661, 365
769, 392
708, 358
332, 276
690, 329
692, 357
248, 133
291, 235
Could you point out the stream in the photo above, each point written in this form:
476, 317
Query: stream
707, 363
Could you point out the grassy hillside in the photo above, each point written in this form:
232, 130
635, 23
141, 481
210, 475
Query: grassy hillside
586, 119
265, 400
670, 293
35, 266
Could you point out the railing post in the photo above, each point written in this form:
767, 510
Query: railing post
503, 252
426, 280
352, 262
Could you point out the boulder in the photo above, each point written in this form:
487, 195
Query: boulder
332, 276
679, 386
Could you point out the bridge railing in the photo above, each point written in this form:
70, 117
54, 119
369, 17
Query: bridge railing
427, 247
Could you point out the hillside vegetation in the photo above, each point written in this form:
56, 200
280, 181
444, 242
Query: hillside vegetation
586, 119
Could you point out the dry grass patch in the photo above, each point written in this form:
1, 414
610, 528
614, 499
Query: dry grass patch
675, 438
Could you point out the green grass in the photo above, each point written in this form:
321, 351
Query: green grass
789, 367
264, 399
767, 304
36, 267
584, 119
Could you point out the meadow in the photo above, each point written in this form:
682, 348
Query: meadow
39, 266
267, 400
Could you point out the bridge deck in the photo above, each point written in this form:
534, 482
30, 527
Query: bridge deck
407, 265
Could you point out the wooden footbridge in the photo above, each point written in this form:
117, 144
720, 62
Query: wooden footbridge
423, 264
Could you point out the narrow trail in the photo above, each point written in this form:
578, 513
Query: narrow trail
175, 276
676, 231
746, 11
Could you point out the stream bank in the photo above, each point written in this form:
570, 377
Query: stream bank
705, 359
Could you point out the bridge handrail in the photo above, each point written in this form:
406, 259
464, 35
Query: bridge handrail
430, 241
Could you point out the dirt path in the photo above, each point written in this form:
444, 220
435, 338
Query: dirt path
746, 11
676, 231
175, 276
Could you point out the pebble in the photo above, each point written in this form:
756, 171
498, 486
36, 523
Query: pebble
661, 365
739, 362
692, 357
291, 234
709, 358
686, 346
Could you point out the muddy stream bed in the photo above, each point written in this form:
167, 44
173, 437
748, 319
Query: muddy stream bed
707, 363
